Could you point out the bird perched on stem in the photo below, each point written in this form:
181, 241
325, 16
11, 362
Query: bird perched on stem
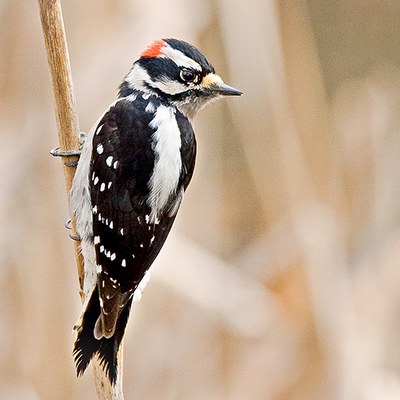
134, 167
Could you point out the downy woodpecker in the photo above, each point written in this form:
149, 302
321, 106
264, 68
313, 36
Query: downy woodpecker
134, 167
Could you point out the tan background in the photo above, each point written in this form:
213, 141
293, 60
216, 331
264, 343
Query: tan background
281, 277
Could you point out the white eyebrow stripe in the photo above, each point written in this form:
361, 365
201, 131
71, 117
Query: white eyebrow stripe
179, 58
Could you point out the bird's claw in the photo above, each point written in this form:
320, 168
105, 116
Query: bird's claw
69, 227
77, 238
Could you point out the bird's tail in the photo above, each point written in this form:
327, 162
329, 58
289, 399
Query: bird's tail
87, 346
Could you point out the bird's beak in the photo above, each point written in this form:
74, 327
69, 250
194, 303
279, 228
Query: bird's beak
215, 84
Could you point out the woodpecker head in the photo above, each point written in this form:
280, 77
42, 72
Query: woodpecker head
177, 72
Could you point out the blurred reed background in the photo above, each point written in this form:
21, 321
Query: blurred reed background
281, 277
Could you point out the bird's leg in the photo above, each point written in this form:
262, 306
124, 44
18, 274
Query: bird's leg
70, 153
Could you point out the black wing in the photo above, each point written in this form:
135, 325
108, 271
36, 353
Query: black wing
125, 239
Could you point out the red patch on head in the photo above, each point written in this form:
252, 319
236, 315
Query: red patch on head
154, 50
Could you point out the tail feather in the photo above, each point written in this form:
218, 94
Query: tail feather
87, 346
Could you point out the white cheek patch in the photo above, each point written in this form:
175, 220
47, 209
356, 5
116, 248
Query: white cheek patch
179, 58
137, 77
170, 86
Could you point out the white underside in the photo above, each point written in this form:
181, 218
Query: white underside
82, 209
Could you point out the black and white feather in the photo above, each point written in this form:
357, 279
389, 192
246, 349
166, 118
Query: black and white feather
137, 161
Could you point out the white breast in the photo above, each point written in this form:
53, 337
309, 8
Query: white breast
168, 163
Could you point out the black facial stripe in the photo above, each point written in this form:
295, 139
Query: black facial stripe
171, 98
159, 67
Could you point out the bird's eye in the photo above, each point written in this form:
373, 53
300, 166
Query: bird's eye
188, 75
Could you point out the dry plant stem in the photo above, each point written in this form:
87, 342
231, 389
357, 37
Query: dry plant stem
68, 132
67, 121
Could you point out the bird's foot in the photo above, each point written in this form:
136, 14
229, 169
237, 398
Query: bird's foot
69, 227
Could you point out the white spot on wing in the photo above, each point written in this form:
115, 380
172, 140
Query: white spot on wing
102, 187
96, 180
113, 257
115, 164
99, 129
109, 185
94, 209
96, 239
123, 263
109, 160
100, 148
121, 231
111, 226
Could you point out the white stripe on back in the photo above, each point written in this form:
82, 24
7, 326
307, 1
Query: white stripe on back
168, 163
